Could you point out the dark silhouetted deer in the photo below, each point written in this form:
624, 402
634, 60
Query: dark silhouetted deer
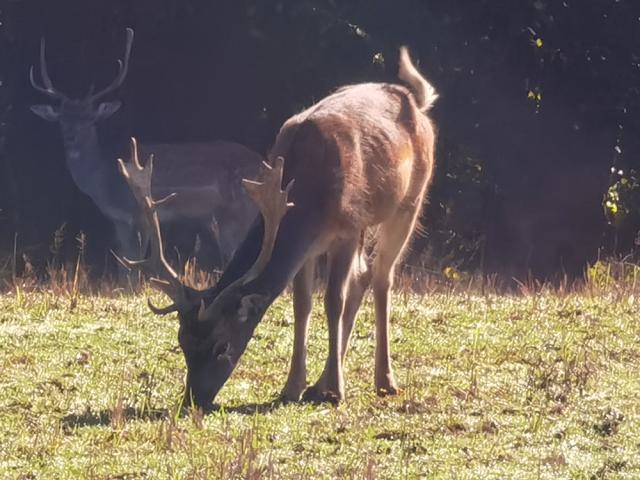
360, 159
206, 176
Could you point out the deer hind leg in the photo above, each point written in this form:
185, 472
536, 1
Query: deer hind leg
302, 305
330, 386
216, 252
392, 239
358, 283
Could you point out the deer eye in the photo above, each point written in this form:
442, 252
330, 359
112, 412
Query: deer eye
220, 348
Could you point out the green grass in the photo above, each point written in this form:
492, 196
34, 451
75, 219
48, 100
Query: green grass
538, 386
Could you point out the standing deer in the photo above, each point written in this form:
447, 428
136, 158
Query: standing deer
360, 159
205, 176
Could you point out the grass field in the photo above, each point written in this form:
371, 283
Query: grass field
532, 386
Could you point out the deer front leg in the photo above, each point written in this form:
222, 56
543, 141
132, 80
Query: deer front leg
302, 305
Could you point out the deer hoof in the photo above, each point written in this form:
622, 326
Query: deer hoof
315, 395
289, 397
387, 387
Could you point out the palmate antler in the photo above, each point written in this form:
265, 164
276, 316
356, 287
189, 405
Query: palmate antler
273, 205
163, 276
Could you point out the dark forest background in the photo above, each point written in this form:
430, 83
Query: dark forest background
538, 116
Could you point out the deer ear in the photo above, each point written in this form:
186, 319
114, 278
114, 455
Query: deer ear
252, 306
106, 109
45, 112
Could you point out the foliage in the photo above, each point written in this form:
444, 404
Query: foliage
622, 198
613, 274
452, 236
537, 92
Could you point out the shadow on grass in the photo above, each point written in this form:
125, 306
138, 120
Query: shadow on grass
270, 406
249, 408
107, 417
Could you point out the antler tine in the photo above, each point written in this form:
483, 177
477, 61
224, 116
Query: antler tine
162, 310
273, 205
123, 69
43, 67
135, 158
48, 88
138, 177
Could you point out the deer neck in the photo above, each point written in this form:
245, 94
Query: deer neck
94, 175
297, 241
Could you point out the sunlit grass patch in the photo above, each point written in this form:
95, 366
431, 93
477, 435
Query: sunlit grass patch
536, 386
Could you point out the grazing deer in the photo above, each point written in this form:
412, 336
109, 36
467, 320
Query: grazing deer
362, 158
206, 176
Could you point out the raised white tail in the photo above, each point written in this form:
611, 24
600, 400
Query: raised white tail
423, 92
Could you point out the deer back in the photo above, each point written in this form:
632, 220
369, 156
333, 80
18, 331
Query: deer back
357, 155
205, 177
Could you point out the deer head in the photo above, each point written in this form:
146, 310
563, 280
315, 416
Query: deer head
215, 324
74, 114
